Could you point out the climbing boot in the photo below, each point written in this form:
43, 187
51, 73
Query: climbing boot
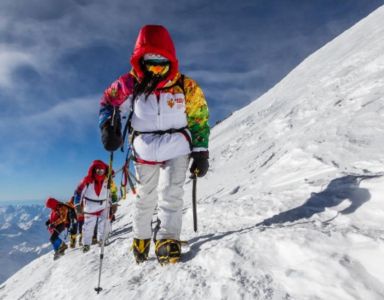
140, 249
72, 241
168, 251
86, 248
62, 248
56, 255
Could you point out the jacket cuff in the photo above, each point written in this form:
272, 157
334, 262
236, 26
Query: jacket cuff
200, 154
199, 149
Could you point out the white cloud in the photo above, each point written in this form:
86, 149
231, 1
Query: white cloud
28, 135
10, 59
74, 114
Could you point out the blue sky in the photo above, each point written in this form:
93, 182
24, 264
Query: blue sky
57, 57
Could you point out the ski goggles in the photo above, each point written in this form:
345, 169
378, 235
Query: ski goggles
157, 67
99, 171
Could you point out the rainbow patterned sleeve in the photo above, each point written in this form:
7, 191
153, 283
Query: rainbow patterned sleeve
114, 96
197, 114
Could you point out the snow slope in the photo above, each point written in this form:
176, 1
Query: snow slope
291, 208
22, 236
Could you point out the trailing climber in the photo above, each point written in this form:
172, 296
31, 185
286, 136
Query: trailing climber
92, 200
56, 224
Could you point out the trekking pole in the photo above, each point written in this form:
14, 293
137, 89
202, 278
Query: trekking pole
98, 289
194, 181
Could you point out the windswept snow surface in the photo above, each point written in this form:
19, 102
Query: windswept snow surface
292, 207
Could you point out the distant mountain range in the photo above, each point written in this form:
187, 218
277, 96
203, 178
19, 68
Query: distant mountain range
23, 236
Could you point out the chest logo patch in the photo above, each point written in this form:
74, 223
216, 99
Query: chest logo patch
171, 103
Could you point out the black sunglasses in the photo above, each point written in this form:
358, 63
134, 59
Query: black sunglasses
155, 62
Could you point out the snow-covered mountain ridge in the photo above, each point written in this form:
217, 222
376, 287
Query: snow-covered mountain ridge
290, 209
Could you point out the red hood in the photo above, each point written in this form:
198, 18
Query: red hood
51, 203
97, 164
154, 39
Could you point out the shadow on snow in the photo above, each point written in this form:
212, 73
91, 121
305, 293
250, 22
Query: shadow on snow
338, 190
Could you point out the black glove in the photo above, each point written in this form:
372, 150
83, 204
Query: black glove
47, 223
200, 163
111, 133
113, 209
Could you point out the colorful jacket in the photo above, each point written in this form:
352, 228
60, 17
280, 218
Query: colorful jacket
59, 212
174, 104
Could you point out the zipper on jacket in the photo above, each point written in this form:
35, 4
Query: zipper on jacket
158, 111
158, 104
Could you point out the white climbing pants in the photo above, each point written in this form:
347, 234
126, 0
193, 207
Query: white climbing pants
161, 185
90, 222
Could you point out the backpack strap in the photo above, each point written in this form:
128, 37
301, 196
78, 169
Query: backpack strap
127, 127
128, 124
180, 82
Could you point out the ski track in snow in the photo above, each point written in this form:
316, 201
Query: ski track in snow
291, 207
